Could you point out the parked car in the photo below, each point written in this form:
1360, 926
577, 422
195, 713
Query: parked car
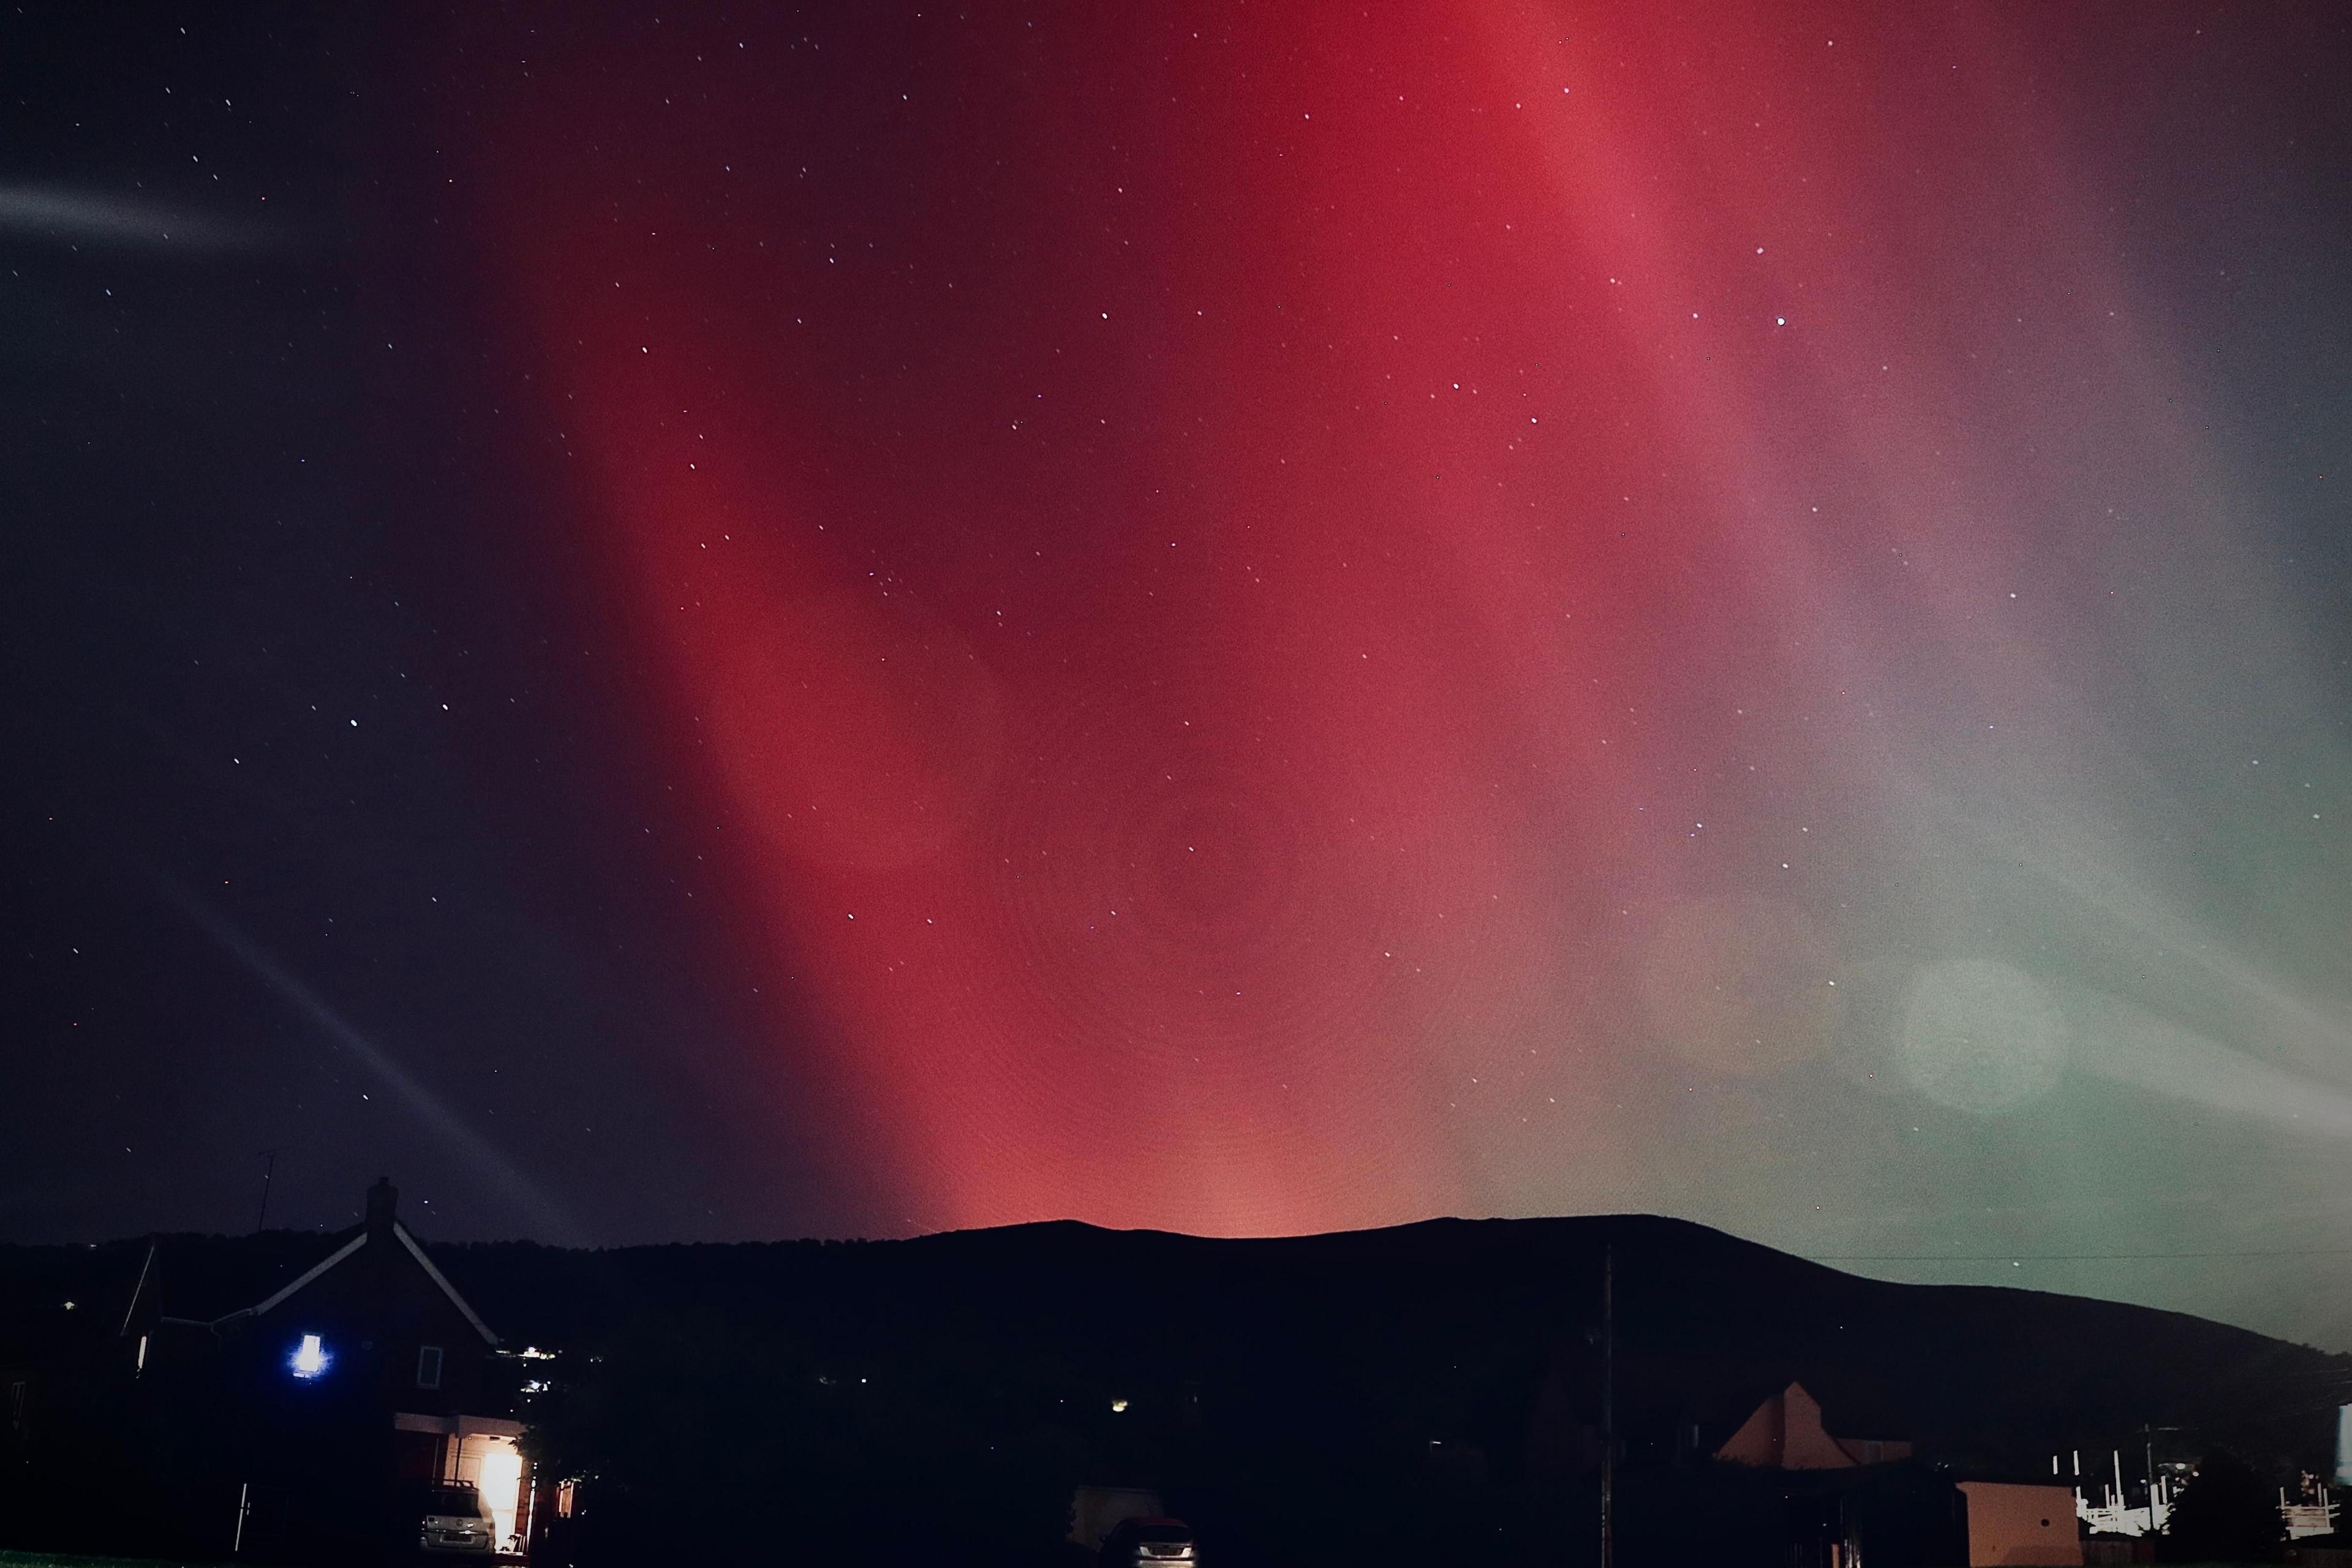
1150, 1543
456, 1520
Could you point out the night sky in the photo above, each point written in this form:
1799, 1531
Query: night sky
1239, 618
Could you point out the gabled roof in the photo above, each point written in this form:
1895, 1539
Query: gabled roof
397, 1232
316, 1269
1786, 1432
408, 1241
1851, 1399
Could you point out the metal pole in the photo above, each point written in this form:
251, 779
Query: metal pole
1608, 1406
136, 1291
267, 1171
244, 1507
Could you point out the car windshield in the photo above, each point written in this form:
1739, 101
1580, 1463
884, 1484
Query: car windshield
461, 1501
1162, 1533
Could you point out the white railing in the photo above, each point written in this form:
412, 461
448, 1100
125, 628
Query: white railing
2111, 1516
2316, 1515
2307, 1519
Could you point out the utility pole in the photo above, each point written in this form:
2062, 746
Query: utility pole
267, 1171
2148, 1437
1608, 1405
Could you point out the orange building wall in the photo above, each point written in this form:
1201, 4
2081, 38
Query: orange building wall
2021, 1526
1758, 1441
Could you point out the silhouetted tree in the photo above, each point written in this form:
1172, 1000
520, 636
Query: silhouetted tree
2226, 1514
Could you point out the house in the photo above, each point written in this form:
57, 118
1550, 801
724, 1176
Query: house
342, 1392
1786, 1433
2006, 1524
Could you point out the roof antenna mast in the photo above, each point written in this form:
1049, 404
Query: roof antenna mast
268, 1170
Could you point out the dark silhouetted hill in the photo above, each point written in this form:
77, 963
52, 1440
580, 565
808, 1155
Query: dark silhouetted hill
1434, 1387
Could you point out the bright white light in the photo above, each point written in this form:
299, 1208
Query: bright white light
495, 1466
501, 1486
309, 1357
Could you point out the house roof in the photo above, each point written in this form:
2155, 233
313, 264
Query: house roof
223, 1280
394, 1233
1854, 1406
316, 1269
400, 1232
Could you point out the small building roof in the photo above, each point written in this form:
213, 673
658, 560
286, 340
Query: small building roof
1789, 1430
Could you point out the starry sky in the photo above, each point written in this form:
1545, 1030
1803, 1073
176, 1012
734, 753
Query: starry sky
1238, 617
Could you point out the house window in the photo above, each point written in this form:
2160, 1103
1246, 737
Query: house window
428, 1366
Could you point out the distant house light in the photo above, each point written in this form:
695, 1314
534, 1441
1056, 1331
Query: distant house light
1117, 1405
309, 1358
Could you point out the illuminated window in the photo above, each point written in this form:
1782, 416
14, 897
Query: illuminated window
309, 1358
428, 1366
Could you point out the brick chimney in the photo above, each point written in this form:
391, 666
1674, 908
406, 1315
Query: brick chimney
383, 1199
